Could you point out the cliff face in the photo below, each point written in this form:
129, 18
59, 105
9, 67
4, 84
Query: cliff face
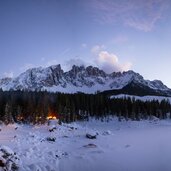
83, 79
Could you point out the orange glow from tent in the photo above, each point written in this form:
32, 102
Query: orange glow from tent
52, 116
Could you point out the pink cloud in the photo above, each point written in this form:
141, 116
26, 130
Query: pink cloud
109, 62
138, 14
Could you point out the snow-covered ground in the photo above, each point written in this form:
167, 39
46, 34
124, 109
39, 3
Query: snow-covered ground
120, 146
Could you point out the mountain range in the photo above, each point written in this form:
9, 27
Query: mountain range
84, 79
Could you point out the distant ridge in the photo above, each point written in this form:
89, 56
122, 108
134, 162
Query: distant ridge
84, 79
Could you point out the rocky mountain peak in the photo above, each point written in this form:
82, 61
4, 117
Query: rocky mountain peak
80, 78
5, 80
94, 71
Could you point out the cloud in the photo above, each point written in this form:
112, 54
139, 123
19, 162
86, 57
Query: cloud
74, 61
64, 52
120, 39
139, 14
42, 59
109, 62
84, 45
51, 62
44, 64
9, 74
97, 48
26, 67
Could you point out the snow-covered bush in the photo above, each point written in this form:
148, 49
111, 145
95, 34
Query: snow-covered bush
107, 132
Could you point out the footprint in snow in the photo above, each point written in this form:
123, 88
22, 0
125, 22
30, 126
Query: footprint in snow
34, 167
90, 146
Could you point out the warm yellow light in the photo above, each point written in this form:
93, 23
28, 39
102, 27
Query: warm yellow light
19, 118
51, 117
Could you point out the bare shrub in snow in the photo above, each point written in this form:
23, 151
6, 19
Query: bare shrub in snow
90, 136
53, 139
8, 159
52, 129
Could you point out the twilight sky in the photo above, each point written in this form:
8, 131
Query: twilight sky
115, 35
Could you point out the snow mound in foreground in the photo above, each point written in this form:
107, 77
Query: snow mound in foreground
9, 161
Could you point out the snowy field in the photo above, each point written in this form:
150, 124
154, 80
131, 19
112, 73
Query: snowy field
120, 146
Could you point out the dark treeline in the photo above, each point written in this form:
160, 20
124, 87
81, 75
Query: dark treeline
35, 107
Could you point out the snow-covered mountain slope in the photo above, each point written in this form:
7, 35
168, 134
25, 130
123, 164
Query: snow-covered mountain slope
84, 79
141, 98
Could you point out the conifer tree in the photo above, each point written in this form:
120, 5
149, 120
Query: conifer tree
8, 114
